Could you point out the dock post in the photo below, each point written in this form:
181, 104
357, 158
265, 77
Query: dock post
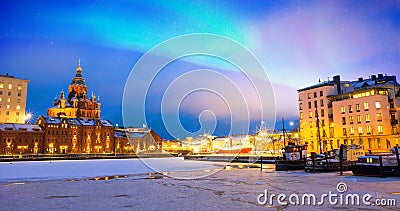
261, 163
327, 161
313, 155
381, 167
341, 159
396, 149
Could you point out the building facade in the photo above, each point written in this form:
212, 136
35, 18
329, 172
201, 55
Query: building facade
20, 139
12, 99
77, 104
138, 140
76, 135
365, 112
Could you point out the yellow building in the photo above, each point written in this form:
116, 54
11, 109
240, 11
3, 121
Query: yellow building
363, 112
12, 99
77, 104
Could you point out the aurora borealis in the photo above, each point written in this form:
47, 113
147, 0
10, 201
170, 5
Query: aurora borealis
298, 42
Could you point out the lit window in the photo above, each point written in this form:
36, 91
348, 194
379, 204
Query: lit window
379, 116
359, 118
360, 130
300, 106
310, 114
351, 119
309, 95
1, 85
1, 99
18, 107
367, 118
352, 130
8, 106
343, 109
366, 106
380, 129
299, 97
9, 86
377, 105
358, 107
8, 99
368, 129
301, 115
19, 87
350, 109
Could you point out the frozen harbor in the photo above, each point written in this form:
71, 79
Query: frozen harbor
66, 186
75, 169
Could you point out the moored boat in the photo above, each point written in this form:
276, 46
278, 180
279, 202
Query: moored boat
332, 162
293, 158
376, 165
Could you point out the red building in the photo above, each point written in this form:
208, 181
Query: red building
20, 139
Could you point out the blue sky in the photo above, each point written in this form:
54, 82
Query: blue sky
298, 43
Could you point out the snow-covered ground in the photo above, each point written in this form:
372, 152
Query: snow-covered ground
72, 169
235, 189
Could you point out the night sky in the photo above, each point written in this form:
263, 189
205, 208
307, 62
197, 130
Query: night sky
297, 42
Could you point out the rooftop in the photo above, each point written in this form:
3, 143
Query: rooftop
10, 76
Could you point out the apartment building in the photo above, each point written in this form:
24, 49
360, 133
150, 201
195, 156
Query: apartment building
12, 99
365, 112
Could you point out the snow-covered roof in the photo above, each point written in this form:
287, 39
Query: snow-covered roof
86, 122
51, 120
119, 134
27, 127
106, 123
136, 134
19, 127
72, 121
7, 126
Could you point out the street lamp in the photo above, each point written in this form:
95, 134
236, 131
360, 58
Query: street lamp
27, 118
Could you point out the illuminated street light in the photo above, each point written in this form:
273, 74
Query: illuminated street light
28, 117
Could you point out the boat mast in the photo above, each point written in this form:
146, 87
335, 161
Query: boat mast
318, 134
283, 131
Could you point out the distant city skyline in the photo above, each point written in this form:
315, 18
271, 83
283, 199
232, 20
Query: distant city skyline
298, 43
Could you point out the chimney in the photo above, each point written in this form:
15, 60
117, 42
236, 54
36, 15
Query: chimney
373, 77
380, 76
336, 80
360, 79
